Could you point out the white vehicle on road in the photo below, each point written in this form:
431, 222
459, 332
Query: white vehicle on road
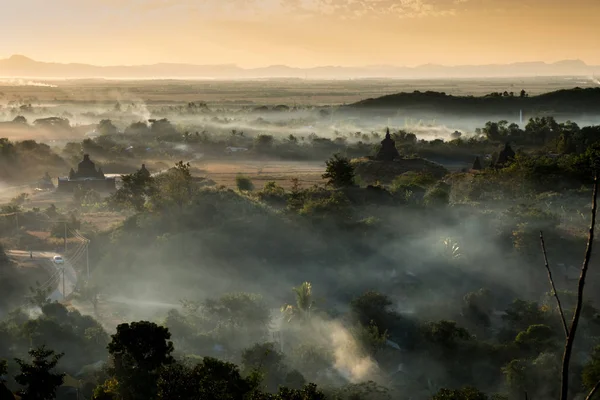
58, 260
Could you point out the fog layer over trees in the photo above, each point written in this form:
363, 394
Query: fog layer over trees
430, 283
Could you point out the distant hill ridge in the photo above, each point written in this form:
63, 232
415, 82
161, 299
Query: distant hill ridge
22, 66
576, 101
577, 97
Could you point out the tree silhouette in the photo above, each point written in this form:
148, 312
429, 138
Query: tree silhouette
139, 350
265, 359
39, 295
135, 190
37, 377
210, 379
3, 256
5, 394
591, 371
19, 119
308, 392
263, 142
106, 127
89, 292
339, 172
174, 187
467, 393
372, 309
243, 183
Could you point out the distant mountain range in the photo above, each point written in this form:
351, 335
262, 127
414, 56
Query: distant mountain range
19, 66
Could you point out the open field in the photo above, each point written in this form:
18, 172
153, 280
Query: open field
266, 92
281, 172
222, 173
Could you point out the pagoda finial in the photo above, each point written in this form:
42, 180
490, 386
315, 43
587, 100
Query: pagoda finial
387, 133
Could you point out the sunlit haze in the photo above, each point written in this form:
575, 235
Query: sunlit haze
299, 199
301, 33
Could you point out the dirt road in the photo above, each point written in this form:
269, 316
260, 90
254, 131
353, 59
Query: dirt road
63, 278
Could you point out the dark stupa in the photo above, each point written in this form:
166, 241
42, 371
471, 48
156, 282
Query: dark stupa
388, 164
87, 169
144, 172
388, 151
477, 164
87, 176
505, 156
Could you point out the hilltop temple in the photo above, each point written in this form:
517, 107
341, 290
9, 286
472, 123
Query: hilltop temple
389, 164
388, 151
88, 177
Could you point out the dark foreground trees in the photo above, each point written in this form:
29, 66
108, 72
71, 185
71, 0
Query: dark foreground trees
210, 378
139, 351
467, 393
39, 382
143, 368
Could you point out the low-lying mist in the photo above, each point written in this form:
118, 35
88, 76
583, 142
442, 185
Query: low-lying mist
301, 120
398, 276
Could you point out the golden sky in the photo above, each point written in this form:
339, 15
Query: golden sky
301, 33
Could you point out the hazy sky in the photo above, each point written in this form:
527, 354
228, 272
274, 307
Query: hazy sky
301, 33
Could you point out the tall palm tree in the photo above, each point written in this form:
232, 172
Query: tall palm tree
451, 248
304, 299
304, 302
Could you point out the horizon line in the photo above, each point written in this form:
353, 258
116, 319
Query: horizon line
74, 63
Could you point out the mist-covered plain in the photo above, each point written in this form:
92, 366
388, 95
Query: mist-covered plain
277, 239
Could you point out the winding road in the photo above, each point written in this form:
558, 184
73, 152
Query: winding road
64, 277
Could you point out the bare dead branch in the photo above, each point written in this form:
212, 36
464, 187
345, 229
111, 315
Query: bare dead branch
593, 391
573, 330
554, 292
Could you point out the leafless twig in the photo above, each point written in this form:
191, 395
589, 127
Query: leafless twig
554, 292
584, 268
593, 391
